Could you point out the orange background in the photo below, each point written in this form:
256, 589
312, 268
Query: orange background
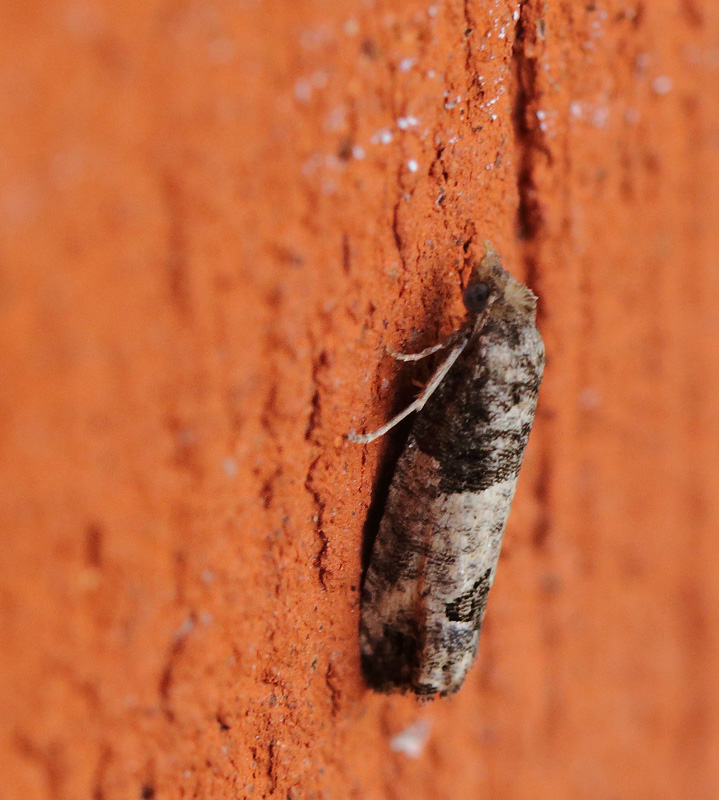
213, 217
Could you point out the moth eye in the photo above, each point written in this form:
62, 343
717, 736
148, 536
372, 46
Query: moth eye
475, 297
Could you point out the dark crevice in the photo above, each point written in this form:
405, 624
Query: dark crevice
531, 148
98, 792
177, 647
346, 254
319, 365
335, 694
177, 252
693, 12
267, 490
47, 759
93, 544
397, 236
272, 766
468, 31
268, 414
314, 415
320, 558
529, 217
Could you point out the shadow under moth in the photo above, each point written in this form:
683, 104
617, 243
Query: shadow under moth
436, 552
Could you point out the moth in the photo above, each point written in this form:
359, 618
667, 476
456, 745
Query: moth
434, 559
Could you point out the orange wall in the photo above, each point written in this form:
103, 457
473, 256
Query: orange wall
213, 216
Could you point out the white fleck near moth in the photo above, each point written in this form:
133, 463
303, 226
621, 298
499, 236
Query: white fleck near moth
436, 552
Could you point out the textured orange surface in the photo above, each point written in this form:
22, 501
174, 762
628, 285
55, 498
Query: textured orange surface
213, 216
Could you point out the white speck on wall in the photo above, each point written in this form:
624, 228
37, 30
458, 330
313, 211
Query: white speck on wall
351, 27
515, 15
335, 119
600, 117
407, 122
329, 186
412, 740
332, 161
311, 165
406, 64
319, 79
662, 84
432, 11
314, 38
303, 90
412, 165
382, 137
84, 20
230, 466
590, 398
575, 109
358, 152
541, 114
184, 630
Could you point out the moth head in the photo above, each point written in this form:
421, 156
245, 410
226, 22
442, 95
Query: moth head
490, 283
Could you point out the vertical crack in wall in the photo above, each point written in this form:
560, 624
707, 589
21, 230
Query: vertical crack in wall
396, 232
47, 759
530, 146
528, 139
272, 766
175, 651
318, 519
177, 251
97, 792
469, 26
320, 363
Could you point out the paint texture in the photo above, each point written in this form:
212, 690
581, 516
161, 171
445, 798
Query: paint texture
214, 217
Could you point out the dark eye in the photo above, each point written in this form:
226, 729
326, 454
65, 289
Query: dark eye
475, 297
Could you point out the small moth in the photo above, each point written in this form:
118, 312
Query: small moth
436, 552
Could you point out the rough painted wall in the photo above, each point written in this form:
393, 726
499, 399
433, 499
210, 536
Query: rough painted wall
213, 217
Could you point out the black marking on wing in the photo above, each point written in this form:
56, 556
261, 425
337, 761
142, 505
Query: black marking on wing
470, 606
464, 424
